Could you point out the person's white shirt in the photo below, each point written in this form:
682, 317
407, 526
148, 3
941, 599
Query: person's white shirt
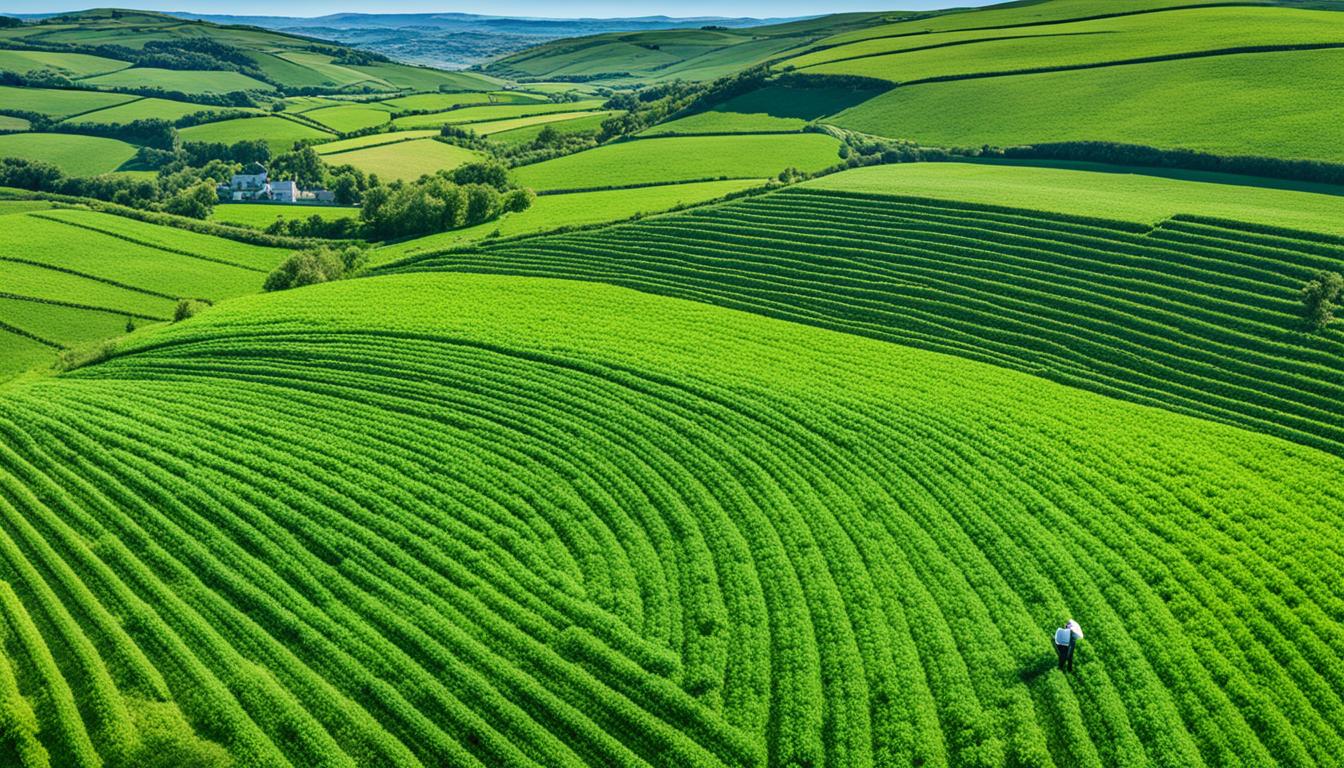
1063, 636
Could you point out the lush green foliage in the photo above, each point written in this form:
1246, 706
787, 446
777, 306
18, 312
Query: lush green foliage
352, 525
1194, 314
690, 158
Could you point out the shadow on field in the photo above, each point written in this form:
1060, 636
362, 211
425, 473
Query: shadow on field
1032, 671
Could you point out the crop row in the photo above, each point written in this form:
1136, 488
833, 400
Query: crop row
1197, 317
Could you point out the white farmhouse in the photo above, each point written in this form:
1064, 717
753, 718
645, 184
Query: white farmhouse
284, 191
252, 186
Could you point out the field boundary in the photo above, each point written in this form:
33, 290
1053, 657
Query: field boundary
145, 243
77, 305
87, 276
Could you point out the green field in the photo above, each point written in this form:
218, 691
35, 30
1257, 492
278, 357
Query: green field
262, 214
74, 65
143, 109
762, 549
575, 209
558, 118
1250, 104
439, 101
1104, 192
13, 124
1063, 45
185, 81
277, 131
349, 117
75, 155
57, 103
691, 158
772, 108
491, 112
371, 140
406, 160
590, 124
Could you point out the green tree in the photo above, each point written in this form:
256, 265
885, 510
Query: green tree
1320, 298
195, 201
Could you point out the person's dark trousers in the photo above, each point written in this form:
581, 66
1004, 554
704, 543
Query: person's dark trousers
1065, 656
1073, 648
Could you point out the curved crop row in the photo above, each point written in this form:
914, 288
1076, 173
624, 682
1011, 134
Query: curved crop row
1197, 316
466, 520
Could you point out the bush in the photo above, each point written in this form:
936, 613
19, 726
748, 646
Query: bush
186, 308
316, 265
1320, 298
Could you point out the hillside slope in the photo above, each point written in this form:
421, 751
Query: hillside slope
340, 526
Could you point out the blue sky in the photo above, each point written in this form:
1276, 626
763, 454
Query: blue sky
600, 8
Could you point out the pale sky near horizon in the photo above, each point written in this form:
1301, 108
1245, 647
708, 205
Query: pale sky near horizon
540, 8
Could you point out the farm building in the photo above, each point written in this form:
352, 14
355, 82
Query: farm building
252, 185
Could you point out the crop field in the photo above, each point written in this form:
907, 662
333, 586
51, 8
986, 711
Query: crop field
73, 65
262, 214
556, 118
74, 154
13, 124
1100, 41
406, 159
1082, 189
691, 158
58, 103
1245, 104
142, 109
781, 567
277, 131
186, 81
440, 101
350, 117
1196, 314
484, 113
592, 123
575, 209
371, 140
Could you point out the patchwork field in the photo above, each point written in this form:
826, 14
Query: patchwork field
185, 81
692, 158
592, 123
57, 103
74, 154
278, 132
72, 65
482, 113
142, 109
406, 159
574, 209
372, 140
350, 117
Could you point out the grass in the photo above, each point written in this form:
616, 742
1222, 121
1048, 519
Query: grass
407, 159
68, 326
437, 101
590, 124
58, 103
75, 155
19, 353
772, 108
278, 132
13, 124
383, 474
1102, 191
1193, 315
550, 212
1089, 42
73, 65
185, 81
371, 140
262, 214
1250, 104
491, 112
690, 158
557, 119
349, 117
143, 109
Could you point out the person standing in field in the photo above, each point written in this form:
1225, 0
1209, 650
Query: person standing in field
1066, 643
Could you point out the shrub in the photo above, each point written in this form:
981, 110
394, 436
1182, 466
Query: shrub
1320, 298
316, 265
186, 308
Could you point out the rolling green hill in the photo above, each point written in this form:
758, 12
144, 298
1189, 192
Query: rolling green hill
778, 429
763, 550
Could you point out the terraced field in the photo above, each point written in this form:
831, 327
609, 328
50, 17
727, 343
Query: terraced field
743, 562
1198, 315
690, 158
